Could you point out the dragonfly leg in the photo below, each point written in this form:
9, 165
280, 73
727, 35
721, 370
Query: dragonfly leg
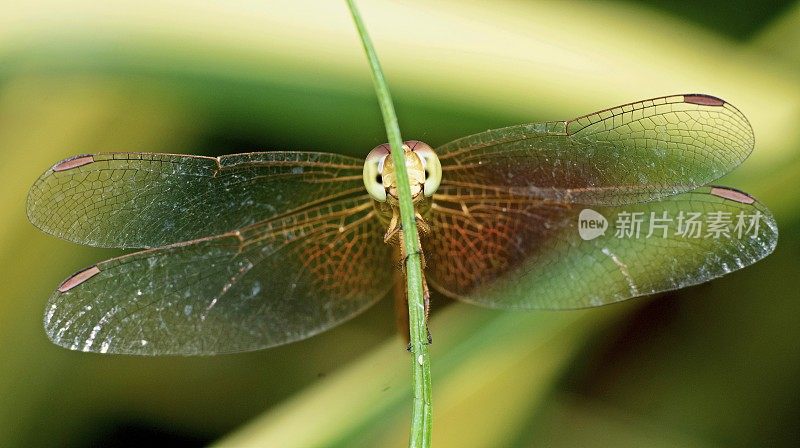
394, 230
401, 310
422, 226
401, 261
392, 236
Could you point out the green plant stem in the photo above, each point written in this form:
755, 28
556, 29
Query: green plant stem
421, 411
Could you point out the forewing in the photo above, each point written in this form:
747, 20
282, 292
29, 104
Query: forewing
270, 284
506, 251
631, 153
150, 200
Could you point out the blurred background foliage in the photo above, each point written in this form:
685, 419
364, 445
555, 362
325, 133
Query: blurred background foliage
713, 365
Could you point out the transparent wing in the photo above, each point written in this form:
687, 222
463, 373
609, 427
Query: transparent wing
151, 200
506, 251
631, 153
269, 284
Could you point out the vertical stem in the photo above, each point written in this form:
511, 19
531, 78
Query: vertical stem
421, 411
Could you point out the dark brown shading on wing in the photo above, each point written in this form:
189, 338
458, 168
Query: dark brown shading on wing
504, 251
274, 282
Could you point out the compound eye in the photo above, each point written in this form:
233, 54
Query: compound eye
433, 168
373, 172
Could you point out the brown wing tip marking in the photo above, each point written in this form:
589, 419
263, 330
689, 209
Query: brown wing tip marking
703, 100
78, 278
733, 195
73, 162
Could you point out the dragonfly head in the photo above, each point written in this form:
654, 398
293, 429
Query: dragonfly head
422, 166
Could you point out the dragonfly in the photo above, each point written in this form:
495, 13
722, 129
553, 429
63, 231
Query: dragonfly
248, 251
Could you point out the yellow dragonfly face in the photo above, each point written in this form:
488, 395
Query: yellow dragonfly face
247, 251
380, 179
422, 166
